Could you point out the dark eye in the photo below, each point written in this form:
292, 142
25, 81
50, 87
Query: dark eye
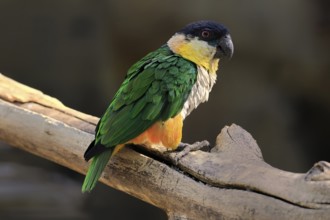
205, 33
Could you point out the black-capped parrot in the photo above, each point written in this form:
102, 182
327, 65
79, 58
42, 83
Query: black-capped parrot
158, 93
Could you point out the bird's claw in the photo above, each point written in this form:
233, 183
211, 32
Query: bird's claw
185, 148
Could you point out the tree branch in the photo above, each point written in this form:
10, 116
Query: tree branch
230, 182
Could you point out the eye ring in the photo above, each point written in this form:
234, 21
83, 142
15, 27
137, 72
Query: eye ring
205, 33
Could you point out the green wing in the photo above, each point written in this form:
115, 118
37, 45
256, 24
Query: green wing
154, 89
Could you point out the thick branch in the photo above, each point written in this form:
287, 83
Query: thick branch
231, 181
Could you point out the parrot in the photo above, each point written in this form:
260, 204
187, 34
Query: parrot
158, 93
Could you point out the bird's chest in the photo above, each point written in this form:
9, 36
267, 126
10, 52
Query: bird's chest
200, 91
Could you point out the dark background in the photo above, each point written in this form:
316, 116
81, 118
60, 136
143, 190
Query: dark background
276, 86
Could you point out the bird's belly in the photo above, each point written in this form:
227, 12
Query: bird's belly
166, 134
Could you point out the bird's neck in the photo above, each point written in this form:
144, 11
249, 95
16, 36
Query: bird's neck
194, 50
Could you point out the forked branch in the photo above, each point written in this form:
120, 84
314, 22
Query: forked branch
230, 182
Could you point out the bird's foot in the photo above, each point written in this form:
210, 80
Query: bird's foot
185, 148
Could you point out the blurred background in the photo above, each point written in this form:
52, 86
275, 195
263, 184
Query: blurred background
276, 86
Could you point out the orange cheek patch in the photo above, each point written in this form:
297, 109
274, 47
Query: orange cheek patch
168, 134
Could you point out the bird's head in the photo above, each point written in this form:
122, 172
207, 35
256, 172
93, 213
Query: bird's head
204, 43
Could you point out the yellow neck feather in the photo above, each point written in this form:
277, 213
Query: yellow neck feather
197, 51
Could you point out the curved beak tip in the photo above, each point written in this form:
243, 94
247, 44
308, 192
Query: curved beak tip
225, 47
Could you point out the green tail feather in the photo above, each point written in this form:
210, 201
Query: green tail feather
95, 170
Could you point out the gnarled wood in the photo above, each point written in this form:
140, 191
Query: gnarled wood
230, 182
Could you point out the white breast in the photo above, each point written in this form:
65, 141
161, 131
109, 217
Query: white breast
200, 91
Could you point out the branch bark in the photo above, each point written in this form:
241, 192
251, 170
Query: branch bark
232, 181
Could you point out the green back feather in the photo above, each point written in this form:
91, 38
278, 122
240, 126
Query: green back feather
95, 170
